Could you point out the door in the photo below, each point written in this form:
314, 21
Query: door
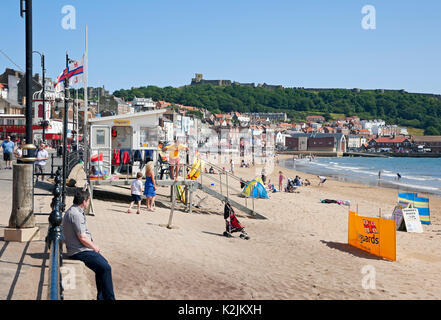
100, 143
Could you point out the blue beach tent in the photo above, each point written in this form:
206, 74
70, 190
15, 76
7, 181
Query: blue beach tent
422, 204
255, 189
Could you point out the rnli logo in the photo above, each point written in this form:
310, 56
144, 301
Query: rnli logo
369, 227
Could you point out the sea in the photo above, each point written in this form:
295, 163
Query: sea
417, 174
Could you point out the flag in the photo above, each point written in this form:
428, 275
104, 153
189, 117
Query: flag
76, 72
59, 82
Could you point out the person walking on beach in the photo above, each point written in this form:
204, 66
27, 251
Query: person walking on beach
174, 157
80, 245
232, 166
150, 186
136, 191
8, 149
281, 178
379, 174
398, 176
322, 180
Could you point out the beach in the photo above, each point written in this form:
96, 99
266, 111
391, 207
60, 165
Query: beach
299, 252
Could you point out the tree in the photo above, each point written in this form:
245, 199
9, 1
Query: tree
431, 131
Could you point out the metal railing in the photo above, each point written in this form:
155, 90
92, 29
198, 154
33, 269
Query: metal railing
229, 178
54, 241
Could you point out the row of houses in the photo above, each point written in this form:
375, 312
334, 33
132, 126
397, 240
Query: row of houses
337, 142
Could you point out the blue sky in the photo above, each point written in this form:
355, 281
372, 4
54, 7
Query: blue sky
296, 43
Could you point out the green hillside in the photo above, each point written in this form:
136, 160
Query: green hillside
395, 107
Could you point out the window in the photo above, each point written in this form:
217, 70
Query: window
148, 136
10, 121
20, 122
100, 137
1, 121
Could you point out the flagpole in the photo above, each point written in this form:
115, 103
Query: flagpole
85, 139
77, 122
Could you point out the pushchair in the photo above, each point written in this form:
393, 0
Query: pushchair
232, 223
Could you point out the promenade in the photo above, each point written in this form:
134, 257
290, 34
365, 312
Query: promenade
24, 266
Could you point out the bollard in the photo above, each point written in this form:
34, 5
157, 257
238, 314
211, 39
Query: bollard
21, 226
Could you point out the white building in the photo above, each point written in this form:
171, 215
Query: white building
137, 131
143, 104
3, 91
281, 138
354, 142
368, 124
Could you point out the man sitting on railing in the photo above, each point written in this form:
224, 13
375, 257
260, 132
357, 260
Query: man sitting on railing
80, 245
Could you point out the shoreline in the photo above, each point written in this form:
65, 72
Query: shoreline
383, 184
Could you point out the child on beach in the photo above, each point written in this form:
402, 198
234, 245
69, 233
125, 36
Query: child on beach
136, 191
150, 186
281, 178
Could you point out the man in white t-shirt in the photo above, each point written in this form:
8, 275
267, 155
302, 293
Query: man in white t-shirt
40, 163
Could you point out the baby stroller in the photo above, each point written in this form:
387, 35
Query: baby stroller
232, 224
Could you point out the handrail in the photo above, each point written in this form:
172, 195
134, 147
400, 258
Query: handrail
222, 170
53, 241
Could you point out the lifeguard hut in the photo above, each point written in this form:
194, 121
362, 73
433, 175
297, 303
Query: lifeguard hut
124, 143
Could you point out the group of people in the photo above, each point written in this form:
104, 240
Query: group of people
136, 189
296, 182
10, 149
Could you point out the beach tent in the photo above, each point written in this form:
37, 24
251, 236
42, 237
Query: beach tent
422, 204
255, 189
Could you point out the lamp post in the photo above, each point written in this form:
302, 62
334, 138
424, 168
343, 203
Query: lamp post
43, 71
66, 109
21, 225
29, 148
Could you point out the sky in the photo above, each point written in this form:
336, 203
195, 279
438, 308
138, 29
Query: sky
294, 43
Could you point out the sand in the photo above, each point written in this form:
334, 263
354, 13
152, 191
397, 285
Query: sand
299, 252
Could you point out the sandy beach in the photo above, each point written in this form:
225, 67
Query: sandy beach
299, 252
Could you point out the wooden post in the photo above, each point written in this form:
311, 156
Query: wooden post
91, 210
186, 197
190, 200
169, 225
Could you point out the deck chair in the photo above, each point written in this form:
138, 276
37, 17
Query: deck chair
164, 168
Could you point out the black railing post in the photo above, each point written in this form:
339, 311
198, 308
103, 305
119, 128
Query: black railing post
53, 240
52, 165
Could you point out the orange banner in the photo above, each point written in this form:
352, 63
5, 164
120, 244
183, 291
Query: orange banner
374, 235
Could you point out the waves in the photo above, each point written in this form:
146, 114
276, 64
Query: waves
422, 174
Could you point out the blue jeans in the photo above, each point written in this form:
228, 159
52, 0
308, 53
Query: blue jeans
103, 273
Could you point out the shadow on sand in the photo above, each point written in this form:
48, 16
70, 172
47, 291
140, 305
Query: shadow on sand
350, 249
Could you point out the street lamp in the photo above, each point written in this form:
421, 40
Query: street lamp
28, 148
43, 70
